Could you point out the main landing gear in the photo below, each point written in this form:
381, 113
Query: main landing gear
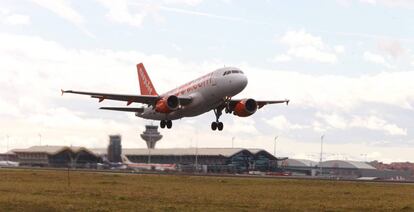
217, 125
166, 123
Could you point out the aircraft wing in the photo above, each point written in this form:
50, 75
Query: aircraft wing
260, 104
124, 109
144, 99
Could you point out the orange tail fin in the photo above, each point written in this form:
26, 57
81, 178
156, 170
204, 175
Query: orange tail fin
145, 83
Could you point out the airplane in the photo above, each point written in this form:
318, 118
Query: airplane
8, 164
213, 91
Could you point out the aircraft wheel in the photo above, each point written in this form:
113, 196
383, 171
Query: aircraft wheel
162, 124
220, 126
169, 124
214, 126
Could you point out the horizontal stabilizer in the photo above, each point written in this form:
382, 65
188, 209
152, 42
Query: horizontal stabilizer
125, 109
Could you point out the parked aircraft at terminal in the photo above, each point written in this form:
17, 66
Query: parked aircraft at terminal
213, 91
9, 164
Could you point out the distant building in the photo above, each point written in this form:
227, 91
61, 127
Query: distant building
401, 166
56, 156
228, 160
212, 159
299, 163
114, 149
348, 169
9, 156
342, 169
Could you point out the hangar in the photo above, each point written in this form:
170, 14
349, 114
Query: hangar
343, 169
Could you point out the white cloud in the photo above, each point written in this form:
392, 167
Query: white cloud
335, 121
311, 53
176, 47
9, 18
243, 126
64, 9
16, 19
281, 123
119, 12
386, 3
391, 47
303, 45
301, 38
375, 58
281, 58
184, 2
133, 13
339, 49
376, 123
369, 1
390, 3
318, 127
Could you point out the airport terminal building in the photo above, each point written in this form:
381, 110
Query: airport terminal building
232, 160
214, 159
211, 160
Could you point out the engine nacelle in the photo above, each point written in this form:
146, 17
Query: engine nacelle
245, 107
168, 104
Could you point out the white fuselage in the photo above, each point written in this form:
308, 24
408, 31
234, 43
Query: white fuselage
206, 92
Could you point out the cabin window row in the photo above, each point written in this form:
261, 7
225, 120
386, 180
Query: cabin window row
232, 72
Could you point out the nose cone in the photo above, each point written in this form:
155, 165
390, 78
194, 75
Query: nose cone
243, 81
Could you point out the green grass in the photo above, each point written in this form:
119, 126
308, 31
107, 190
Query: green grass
36, 190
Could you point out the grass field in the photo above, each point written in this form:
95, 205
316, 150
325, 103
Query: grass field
28, 190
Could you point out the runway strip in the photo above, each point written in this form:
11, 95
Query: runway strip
270, 177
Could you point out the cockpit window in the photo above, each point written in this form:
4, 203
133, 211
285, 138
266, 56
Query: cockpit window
232, 72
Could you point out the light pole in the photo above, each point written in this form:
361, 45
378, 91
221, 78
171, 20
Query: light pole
7, 148
196, 157
320, 160
40, 139
274, 150
232, 142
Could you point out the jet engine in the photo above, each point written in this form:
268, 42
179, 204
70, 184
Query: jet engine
245, 107
167, 105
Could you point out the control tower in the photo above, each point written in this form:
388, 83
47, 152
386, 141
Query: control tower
151, 136
114, 148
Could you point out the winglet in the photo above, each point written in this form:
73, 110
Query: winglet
61, 90
287, 101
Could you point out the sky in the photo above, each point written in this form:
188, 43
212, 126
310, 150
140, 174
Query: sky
346, 65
